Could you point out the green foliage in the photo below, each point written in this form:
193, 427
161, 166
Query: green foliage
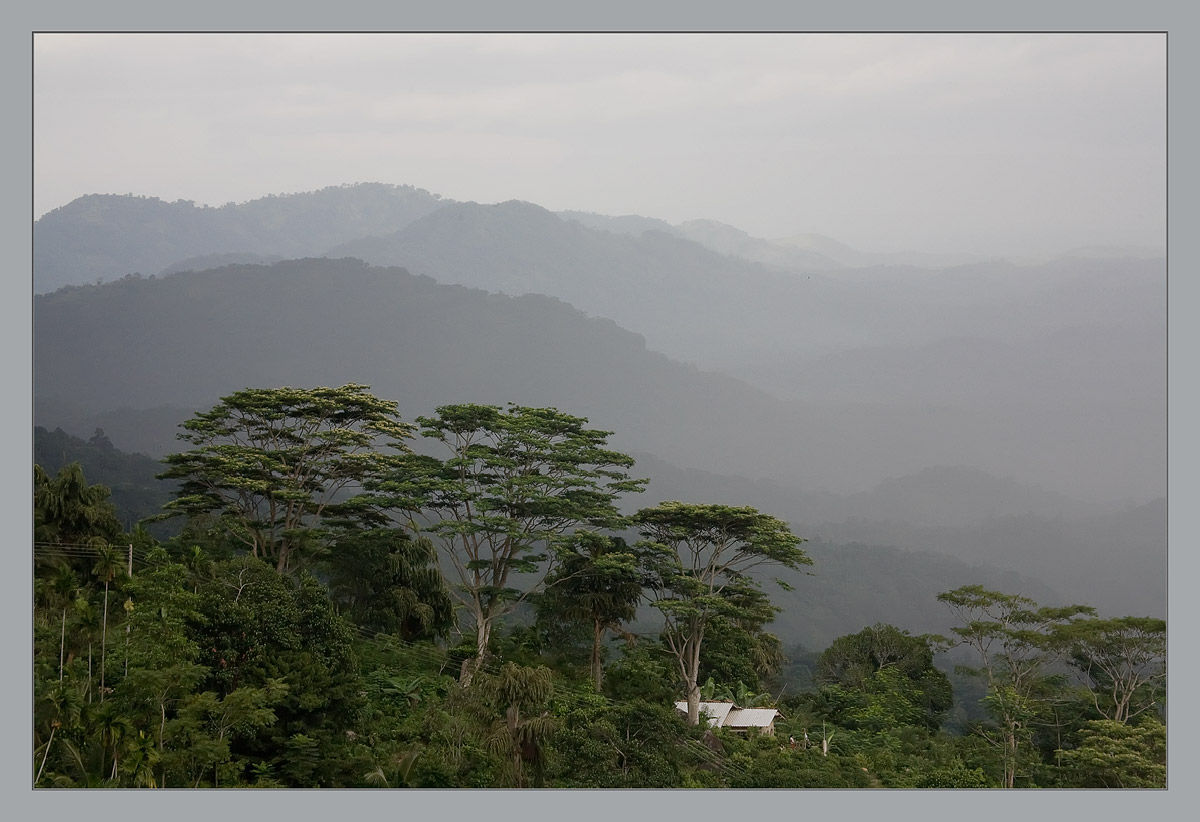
643, 671
1125, 661
1015, 642
626, 744
513, 705
740, 650
388, 582
1114, 754
886, 679
516, 481
699, 558
70, 513
957, 776
770, 765
136, 493
207, 670
597, 584
275, 466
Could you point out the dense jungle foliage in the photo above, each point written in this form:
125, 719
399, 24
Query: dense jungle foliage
336, 609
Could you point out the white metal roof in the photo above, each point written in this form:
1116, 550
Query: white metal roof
750, 717
716, 711
729, 715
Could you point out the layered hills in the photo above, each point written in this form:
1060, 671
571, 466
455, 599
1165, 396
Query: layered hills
107, 236
983, 409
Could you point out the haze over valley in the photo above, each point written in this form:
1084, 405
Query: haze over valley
999, 413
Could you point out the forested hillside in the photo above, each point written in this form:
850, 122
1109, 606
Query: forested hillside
160, 348
136, 492
300, 630
859, 584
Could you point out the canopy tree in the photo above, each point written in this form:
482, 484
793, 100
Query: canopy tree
1124, 659
282, 469
1014, 640
892, 674
516, 481
599, 582
701, 555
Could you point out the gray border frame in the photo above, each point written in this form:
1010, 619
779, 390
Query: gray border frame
619, 15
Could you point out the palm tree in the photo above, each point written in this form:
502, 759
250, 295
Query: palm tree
402, 765
59, 591
111, 728
140, 760
86, 622
61, 705
199, 565
519, 736
69, 511
109, 566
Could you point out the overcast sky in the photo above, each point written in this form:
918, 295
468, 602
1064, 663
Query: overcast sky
1005, 144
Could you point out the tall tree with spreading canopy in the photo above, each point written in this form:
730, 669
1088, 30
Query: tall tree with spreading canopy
281, 469
516, 481
701, 555
1124, 659
599, 582
1014, 640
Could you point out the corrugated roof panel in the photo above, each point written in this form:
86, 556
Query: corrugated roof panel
716, 711
750, 717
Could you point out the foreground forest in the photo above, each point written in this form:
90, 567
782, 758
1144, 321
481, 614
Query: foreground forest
347, 599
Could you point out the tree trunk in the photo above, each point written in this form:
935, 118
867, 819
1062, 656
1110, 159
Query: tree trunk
162, 780
471, 666
62, 645
45, 756
512, 718
103, 640
693, 700
597, 639
691, 679
1010, 757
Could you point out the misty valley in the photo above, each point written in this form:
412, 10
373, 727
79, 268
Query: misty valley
368, 487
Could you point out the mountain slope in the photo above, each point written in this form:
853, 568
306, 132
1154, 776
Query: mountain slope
688, 301
101, 236
187, 339
137, 356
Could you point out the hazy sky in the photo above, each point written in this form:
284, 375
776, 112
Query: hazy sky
1016, 144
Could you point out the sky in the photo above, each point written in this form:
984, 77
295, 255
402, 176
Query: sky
973, 143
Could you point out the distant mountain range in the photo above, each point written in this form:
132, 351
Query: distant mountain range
107, 236
840, 393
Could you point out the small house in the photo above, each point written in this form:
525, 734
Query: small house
728, 715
